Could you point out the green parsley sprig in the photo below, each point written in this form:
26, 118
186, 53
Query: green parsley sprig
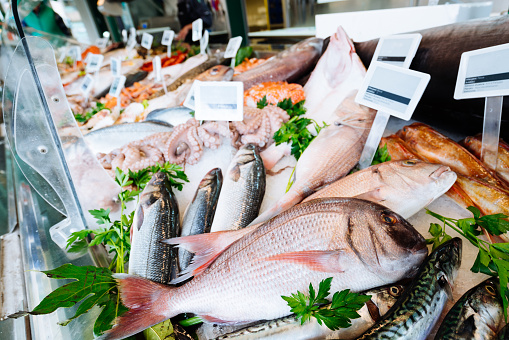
492, 259
381, 155
336, 315
83, 118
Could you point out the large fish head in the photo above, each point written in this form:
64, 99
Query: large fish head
349, 113
486, 303
382, 299
385, 242
415, 134
410, 185
447, 260
212, 178
246, 157
150, 197
217, 73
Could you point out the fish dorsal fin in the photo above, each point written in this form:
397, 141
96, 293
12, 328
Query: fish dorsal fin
207, 247
316, 260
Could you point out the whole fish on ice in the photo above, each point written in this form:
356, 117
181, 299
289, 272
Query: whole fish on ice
474, 145
239, 276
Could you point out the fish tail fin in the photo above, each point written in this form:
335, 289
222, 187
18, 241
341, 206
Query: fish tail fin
290, 199
148, 304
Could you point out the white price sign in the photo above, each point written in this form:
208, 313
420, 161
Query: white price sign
102, 42
397, 50
87, 84
168, 36
197, 29
94, 62
392, 89
146, 41
204, 42
156, 64
75, 53
233, 47
190, 98
116, 66
124, 36
483, 73
116, 86
219, 100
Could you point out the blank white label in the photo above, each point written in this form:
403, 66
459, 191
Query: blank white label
116, 66
204, 42
392, 89
233, 47
483, 73
102, 42
197, 29
116, 86
190, 98
146, 41
397, 50
95, 62
168, 36
87, 84
219, 100
156, 64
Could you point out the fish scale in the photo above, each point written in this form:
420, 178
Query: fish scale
417, 311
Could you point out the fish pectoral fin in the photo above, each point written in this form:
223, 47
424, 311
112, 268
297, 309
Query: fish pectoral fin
316, 260
207, 247
372, 196
213, 319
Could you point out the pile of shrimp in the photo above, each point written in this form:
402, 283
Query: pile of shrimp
136, 93
274, 92
248, 64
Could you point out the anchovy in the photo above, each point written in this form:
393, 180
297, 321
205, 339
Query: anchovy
243, 191
417, 311
200, 212
289, 327
156, 218
476, 315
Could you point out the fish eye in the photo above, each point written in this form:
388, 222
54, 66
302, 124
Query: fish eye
395, 291
214, 71
410, 162
442, 280
389, 219
491, 290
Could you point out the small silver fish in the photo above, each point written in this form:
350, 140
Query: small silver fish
242, 192
156, 218
200, 212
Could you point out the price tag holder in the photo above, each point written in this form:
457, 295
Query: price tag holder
397, 50
197, 29
485, 73
94, 62
146, 41
74, 53
125, 38
65, 52
167, 39
132, 33
116, 86
102, 42
219, 101
204, 42
232, 48
392, 91
190, 98
116, 66
131, 44
87, 84
156, 65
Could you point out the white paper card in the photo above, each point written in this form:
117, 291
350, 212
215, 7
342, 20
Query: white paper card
397, 50
233, 47
168, 36
116, 66
219, 100
197, 29
190, 98
116, 86
124, 36
146, 41
204, 42
156, 64
87, 84
483, 73
102, 42
392, 89
95, 62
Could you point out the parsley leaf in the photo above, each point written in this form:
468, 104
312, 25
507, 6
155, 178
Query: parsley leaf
381, 155
243, 53
83, 118
336, 315
262, 103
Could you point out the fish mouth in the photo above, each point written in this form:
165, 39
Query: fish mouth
440, 171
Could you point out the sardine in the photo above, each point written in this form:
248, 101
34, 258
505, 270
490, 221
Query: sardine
474, 145
242, 192
156, 218
402, 186
200, 211
239, 276
437, 148
416, 312
289, 65
476, 315
329, 157
290, 328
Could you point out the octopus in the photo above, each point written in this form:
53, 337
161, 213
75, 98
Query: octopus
274, 92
